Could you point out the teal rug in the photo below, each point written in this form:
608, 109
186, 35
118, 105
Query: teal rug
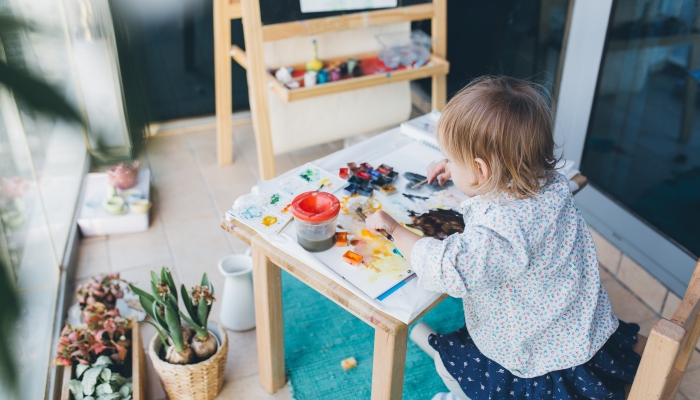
318, 335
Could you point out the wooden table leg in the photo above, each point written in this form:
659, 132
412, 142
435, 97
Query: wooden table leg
268, 319
389, 364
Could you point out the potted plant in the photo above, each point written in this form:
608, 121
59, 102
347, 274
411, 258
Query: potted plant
105, 340
189, 366
99, 381
105, 289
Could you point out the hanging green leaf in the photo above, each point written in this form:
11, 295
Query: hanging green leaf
37, 94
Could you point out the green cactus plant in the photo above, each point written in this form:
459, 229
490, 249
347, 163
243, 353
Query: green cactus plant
198, 307
98, 382
162, 307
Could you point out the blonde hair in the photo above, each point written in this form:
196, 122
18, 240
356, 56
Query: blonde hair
506, 122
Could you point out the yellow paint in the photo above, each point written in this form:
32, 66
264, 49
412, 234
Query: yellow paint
269, 220
378, 256
370, 205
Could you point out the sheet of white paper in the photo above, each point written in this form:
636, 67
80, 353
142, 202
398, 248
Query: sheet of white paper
309, 6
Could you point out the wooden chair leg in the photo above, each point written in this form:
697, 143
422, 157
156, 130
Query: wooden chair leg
439, 35
268, 319
257, 87
389, 364
222, 87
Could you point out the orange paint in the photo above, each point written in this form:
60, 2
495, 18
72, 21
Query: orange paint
269, 220
286, 209
341, 239
352, 258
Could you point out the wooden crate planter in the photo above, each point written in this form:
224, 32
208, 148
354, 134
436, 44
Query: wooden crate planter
138, 367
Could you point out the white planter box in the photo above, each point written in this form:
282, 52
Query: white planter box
94, 221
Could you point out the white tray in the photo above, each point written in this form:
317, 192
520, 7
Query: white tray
94, 221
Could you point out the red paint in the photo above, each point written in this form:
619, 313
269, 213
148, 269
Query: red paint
363, 175
343, 173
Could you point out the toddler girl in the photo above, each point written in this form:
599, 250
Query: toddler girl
538, 321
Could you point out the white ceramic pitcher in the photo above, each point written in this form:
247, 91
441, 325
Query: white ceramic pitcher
237, 305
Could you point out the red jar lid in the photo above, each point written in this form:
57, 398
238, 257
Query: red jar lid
315, 207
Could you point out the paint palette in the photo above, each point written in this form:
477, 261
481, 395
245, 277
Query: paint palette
310, 178
254, 214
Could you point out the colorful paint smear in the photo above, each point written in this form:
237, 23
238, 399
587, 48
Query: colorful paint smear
251, 211
310, 175
438, 223
379, 256
275, 198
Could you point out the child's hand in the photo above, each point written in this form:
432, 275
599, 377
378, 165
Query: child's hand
439, 170
380, 220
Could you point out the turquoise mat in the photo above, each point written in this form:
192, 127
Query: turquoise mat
318, 335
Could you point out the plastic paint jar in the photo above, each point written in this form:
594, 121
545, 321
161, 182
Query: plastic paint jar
315, 215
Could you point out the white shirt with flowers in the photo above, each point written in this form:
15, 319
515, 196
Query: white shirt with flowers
527, 272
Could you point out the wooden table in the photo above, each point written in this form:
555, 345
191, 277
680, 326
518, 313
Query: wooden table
390, 334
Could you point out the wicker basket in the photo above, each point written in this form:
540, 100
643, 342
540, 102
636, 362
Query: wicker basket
201, 381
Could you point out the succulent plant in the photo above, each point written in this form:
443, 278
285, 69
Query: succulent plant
162, 306
105, 289
199, 307
98, 382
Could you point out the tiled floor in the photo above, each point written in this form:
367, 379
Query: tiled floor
190, 194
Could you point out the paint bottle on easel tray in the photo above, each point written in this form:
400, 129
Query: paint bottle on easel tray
315, 218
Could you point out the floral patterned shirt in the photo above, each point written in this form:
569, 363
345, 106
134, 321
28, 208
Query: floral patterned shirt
527, 272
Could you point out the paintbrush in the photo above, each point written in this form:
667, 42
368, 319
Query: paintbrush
382, 231
419, 184
292, 217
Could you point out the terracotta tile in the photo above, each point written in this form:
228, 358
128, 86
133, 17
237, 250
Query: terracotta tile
173, 186
690, 385
608, 255
642, 283
163, 164
205, 139
138, 249
242, 359
166, 144
193, 207
93, 258
604, 274
672, 303
625, 306
225, 196
694, 360
249, 388
193, 238
645, 326
141, 276
232, 175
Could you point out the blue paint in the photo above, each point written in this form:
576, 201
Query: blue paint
350, 189
390, 291
365, 191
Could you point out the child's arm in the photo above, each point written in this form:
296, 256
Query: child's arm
403, 238
478, 257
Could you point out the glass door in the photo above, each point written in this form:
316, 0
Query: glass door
640, 146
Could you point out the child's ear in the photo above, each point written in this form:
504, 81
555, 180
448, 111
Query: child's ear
482, 169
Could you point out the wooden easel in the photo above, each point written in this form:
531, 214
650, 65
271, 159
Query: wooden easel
259, 79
